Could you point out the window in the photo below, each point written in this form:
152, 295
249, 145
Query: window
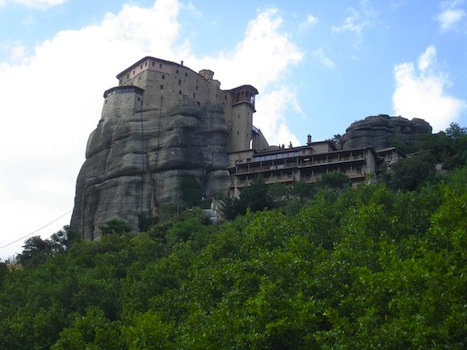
162, 87
186, 74
146, 63
141, 67
180, 92
176, 71
196, 87
153, 64
238, 132
160, 65
179, 82
194, 95
163, 76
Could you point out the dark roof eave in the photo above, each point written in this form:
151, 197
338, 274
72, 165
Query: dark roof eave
147, 58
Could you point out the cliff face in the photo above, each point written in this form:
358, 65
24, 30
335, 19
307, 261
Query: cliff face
380, 131
135, 160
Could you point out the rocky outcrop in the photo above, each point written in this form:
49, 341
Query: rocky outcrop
135, 160
383, 131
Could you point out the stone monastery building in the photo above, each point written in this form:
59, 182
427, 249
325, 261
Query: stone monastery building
165, 122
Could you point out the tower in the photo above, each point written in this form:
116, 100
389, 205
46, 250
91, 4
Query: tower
240, 118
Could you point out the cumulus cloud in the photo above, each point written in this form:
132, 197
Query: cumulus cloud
275, 105
51, 101
450, 15
52, 98
421, 92
261, 59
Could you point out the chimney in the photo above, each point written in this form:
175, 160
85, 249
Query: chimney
308, 142
181, 62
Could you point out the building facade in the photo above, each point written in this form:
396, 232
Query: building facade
166, 84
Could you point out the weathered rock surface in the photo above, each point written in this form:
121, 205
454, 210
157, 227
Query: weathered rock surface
380, 132
135, 160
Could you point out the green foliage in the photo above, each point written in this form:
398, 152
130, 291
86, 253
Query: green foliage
365, 268
64, 238
336, 139
118, 226
334, 180
254, 198
35, 251
146, 221
190, 191
411, 173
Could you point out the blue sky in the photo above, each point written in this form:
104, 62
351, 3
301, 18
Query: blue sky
318, 65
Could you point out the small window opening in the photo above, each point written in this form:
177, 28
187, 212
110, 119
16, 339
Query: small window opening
162, 87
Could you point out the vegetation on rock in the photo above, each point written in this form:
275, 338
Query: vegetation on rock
324, 267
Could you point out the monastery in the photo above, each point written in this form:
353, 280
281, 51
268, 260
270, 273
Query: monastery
165, 122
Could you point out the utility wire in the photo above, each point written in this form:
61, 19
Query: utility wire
30, 234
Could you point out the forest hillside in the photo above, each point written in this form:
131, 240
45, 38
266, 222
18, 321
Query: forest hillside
324, 266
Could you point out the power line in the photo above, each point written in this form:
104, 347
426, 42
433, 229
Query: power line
30, 234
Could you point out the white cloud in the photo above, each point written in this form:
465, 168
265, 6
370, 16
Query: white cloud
450, 14
40, 4
352, 23
308, 22
274, 106
193, 10
420, 93
310, 19
449, 18
18, 53
357, 21
261, 59
52, 99
427, 59
321, 56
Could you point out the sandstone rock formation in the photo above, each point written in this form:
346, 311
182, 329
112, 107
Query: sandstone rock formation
382, 130
135, 160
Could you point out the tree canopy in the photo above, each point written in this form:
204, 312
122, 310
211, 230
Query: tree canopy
353, 268
324, 266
